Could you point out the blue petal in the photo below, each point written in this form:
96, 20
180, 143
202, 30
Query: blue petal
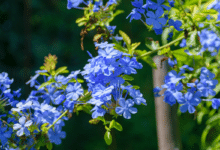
133, 110
191, 109
127, 114
20, 132
184, 108
119, 110
159, 12
163, 21
151, 14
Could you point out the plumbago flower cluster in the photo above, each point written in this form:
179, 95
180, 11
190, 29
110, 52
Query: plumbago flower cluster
193, 31
106, 75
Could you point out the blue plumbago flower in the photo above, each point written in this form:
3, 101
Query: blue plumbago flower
33, 79
5, 91
103, 45
109, 53
98, 111
97, 5
173, 77
22, 106
187, 67
172, 62
170, 97
183, 43
101, 95
73, 74
73, 90
137, 3
111, 29
155, 20
138, 6
137, 97
69, 105
126, 108
128, 65
59, 99
61, 80
170, 35
5, 81
56, 135
22, 126
158, 5
135, 14
188, 53
215, 103
209, 41
156, 91
73, 3
148, 4
111, 2
172, 93
215, 5
207, 84
4, 133
117, 38
177, 24
189, 101
171, 3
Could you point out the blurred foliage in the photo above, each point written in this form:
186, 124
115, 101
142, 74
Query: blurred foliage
30, 30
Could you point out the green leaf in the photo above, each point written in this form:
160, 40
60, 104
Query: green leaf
215, 28
152, 45
97, 37
200, 116
213, 119
44, 128
126, 38
78, 80
116, 125
120, 48
83, 19
135, 45
118, 12
45, 84
61, 70
165, 35
181, 56
147, 59
44, 74
108, 138
192, 41
101, 119
217, 88
49, 146
163, 51
40, 142
128, 78
204, 134
135, 87
94, 121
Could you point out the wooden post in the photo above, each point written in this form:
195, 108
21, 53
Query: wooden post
166, 115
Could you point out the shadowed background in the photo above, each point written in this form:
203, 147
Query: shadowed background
31, 29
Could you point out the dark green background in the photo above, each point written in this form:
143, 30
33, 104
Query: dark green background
30, 30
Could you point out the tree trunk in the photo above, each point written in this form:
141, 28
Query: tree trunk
166, 116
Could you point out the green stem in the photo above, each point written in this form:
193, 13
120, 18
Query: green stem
88, 93
164, 46
5, 122
169, 44
57, 119
199, 3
